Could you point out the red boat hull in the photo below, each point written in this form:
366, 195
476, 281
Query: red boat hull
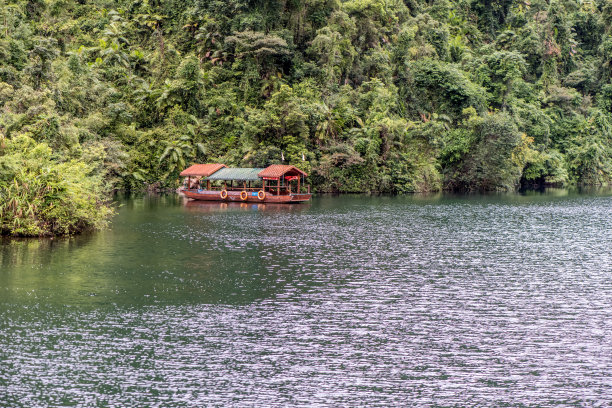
212, 195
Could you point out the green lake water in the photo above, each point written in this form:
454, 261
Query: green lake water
476, 300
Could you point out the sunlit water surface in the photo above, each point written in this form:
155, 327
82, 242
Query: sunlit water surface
501, 300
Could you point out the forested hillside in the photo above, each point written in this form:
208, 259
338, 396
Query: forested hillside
365, 95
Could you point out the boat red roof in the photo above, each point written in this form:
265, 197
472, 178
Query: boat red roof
203, 170
276, 171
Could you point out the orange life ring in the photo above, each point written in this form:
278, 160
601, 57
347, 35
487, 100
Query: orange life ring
243, 195
223, 194
261, 195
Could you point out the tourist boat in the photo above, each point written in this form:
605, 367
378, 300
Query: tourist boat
277, 183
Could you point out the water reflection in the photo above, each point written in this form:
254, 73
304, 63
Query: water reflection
215, 206
31, 252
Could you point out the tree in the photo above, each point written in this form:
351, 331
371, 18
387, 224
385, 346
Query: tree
487, 162
41, 56
498, 72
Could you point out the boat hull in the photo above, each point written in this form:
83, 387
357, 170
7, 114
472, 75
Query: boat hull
211, 195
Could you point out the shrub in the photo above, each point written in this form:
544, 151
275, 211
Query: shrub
40, 196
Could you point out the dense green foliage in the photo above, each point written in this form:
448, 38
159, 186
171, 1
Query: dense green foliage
364, 95
43, 196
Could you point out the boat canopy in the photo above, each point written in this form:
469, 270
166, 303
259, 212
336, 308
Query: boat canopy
219, 171
236, 173
276, 171
202, 170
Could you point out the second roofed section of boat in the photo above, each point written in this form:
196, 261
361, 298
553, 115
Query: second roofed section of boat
236, 174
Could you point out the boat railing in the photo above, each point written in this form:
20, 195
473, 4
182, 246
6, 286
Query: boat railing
285, 190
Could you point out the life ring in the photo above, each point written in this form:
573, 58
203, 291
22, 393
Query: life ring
223, 194
261, 195
243, 195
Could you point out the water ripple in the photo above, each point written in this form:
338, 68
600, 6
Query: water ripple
347, 302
